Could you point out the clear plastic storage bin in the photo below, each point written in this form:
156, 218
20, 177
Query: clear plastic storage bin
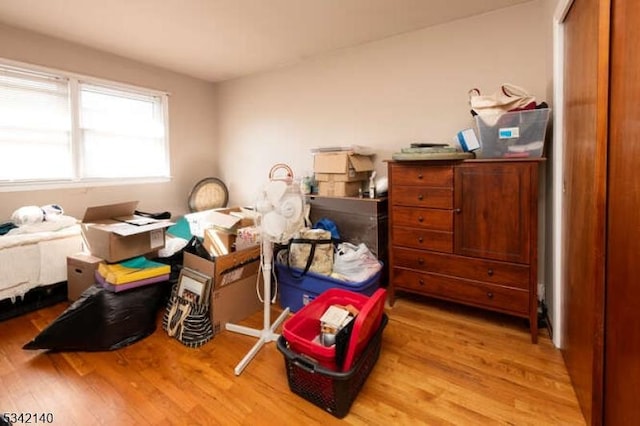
518, 134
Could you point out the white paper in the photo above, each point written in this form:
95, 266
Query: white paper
124, 229
157, 238
334, 317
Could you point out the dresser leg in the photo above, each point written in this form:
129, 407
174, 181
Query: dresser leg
533, 326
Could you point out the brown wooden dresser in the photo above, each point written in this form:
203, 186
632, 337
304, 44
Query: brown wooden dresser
466, 232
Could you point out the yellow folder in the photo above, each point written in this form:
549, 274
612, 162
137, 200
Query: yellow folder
138, 268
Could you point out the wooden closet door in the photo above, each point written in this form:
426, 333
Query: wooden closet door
622, 315
585, 140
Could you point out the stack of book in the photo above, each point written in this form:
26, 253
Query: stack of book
131, 273
430, 151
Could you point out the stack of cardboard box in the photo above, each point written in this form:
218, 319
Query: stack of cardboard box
341, 173
233, 262
112, 233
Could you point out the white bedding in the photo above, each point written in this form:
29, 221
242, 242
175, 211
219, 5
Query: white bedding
35, 257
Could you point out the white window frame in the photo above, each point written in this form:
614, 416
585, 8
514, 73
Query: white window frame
76, 150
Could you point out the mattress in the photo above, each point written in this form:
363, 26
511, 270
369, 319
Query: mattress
36, 257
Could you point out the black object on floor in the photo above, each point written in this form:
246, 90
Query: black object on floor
36, 298
101, 320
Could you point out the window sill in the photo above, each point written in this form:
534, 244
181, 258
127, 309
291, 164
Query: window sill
51, 185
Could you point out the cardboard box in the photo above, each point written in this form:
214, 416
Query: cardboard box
228, 268
339, 189
352, 176
347, 165
81, 269
233, 296
115, 240
235, 219
235, 302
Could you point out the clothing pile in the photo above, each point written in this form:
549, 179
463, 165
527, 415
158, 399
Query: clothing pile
510, 98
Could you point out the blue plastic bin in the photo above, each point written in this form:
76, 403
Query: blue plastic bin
297, 292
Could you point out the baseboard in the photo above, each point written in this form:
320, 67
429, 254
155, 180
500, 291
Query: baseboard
549, 324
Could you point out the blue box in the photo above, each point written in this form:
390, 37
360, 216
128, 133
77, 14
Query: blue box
296, 292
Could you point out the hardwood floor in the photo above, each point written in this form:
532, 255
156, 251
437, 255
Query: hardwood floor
439, 364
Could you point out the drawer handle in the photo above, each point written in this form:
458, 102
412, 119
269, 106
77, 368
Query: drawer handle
457, 211
420, 219
490, 272
490, 295
421, 282
420, 239
420, 197
421, 261
419, 175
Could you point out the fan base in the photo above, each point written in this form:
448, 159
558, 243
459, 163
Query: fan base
265, 335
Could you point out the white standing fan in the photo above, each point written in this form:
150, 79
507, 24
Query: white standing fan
281, 206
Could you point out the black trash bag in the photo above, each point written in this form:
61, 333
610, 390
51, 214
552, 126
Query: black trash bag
101, 320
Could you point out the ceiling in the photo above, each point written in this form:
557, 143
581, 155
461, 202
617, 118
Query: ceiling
217, 40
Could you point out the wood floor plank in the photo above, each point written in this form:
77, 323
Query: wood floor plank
440, 364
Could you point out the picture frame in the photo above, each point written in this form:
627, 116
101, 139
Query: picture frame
194, 286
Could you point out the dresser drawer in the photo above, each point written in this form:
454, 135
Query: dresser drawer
422, 239
506, 299
439, 198
507, 274
434, 176
435, 219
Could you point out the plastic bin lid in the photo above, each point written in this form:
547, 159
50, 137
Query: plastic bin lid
366, 324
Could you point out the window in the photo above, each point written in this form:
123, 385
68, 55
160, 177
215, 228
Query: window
59, 129
121, 133
35, 126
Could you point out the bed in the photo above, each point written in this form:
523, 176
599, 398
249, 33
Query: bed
34, 256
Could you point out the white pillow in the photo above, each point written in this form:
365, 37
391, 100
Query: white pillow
27, 215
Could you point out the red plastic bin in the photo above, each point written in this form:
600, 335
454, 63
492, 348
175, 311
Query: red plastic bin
302, 329
332, 391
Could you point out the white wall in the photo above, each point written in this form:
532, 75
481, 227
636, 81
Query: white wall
192, 123
385, 94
